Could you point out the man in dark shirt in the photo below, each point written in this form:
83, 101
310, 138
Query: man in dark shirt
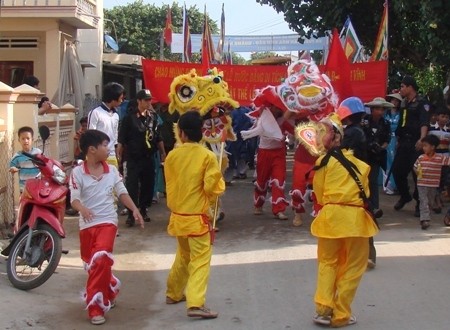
139, 134
412, 127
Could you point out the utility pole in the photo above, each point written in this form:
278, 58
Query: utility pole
161, 46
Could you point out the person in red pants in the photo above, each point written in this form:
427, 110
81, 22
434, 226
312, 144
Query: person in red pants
93, 186
270, 160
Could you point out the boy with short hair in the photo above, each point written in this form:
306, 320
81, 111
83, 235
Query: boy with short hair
93, 186
442, 131
21, 163
428, 167
106, 119
83, 127
193, 182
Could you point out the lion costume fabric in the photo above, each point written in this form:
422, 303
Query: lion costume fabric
305, 96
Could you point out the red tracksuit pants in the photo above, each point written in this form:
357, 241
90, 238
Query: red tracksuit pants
303, 162
96, 247
271, 171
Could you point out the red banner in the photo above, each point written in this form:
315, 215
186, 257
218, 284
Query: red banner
368, 79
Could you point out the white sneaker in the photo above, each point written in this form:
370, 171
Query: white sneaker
97, 320
371, 264
297, 222
281, 216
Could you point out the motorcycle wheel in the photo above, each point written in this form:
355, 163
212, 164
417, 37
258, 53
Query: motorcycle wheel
41, 261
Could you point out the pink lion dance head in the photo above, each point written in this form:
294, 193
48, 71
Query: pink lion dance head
305, 91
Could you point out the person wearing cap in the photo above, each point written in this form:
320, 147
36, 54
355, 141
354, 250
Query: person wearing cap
378, 135
140, 136
392, 115
412, 128
105, 118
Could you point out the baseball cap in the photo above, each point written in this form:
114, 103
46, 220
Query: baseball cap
144, 94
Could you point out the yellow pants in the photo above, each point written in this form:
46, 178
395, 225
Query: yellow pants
190, 270
341, 265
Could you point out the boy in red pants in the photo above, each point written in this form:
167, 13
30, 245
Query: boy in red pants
93, 186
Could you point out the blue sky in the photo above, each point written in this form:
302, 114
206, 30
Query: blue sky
242, 17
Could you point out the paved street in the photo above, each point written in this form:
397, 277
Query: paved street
263, 276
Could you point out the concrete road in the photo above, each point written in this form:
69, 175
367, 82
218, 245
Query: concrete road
263, 276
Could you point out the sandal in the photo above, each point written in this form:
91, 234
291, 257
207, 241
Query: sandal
447, 220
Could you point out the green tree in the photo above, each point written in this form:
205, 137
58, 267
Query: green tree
139, 27
261, 55
419, 31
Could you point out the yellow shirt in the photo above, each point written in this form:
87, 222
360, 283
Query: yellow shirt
343, 213
193, 181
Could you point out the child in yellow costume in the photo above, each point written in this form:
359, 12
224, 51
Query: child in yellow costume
343, 227
209, 96
193, 181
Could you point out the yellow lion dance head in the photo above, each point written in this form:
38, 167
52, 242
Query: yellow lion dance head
210, 97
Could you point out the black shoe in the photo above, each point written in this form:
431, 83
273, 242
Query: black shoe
130, 221
401, 202
220, 216
425, 224
145, 216
378, 213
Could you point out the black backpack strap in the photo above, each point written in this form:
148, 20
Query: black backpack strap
323, 163
352, 169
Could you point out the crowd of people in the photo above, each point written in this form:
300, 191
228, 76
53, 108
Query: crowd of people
129, 158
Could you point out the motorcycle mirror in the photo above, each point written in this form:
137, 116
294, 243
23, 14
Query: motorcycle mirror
44, 132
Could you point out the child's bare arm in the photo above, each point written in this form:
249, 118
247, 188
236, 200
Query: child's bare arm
13, 169
128, 202
85, 213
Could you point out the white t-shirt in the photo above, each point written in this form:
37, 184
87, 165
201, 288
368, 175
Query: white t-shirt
97, 194
107, 121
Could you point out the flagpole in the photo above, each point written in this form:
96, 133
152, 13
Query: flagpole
387, 30
184, 37
161, 46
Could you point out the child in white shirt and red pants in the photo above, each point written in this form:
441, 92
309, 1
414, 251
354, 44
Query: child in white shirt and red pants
93, 186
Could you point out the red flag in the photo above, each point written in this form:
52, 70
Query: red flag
187, 46
338, 68
207, 44
168, 28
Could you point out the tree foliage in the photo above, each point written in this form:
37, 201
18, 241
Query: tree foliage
139, 27
419, 31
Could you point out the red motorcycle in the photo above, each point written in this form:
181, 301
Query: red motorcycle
35, 250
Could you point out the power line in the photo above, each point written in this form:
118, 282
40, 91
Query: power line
256, 30
258, 26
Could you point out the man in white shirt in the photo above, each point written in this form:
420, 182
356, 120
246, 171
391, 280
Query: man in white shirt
106, 119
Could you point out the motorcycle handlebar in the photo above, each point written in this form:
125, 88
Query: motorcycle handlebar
34, 158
